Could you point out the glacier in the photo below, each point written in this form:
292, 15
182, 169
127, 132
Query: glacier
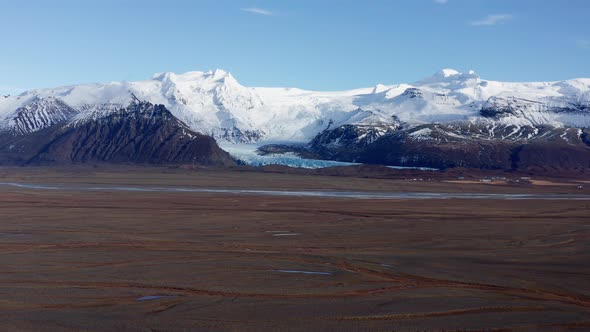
246, 153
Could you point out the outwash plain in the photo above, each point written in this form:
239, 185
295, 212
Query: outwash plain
74, 259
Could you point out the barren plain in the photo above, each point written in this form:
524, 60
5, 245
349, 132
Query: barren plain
83, 260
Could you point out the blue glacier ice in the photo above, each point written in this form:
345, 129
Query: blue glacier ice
246, 152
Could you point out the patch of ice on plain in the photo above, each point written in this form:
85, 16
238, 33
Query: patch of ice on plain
153, 297
305, 272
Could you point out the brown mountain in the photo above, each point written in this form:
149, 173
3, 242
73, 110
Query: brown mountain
460, 145
141, 133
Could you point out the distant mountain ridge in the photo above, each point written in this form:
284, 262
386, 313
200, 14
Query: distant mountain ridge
448, 119
215, 104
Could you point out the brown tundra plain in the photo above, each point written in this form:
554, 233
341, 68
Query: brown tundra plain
80, 259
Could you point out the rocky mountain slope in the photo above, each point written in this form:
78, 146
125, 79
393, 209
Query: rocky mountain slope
140, 133
460, 144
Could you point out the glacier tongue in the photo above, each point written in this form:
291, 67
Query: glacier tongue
246, 153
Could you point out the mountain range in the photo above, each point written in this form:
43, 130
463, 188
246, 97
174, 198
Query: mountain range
446, 120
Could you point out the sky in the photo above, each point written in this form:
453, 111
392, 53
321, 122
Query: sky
310, 44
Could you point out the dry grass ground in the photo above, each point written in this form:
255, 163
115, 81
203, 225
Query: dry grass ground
366, 179
79, 261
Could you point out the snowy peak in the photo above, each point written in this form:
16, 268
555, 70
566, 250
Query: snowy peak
215, 103
200, 88
195, 77
37, 114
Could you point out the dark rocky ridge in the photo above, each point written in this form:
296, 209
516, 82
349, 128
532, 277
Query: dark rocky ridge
461, 145
142, 133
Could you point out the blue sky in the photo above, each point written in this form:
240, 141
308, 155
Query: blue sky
312, 44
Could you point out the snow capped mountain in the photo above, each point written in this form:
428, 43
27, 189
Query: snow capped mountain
216, 104
36, 114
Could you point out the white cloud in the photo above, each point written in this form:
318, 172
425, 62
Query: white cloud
491, 20
583, 43
258, 11
441, 2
